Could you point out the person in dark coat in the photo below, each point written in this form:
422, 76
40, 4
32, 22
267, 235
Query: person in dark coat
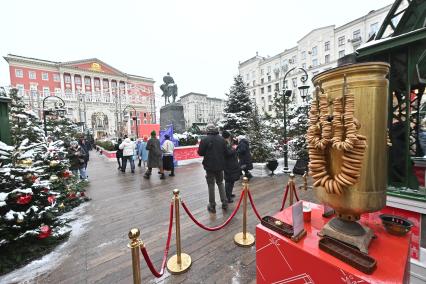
119, 152
232, 169
244, 156
154, 156
212, 148
76, 157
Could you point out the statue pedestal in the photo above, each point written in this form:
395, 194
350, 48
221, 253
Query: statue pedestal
172, 114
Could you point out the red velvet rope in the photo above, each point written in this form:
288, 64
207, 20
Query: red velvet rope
213, 228
287, 189
166, 250
284, 198
254, 207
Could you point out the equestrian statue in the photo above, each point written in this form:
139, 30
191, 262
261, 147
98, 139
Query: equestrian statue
169, 89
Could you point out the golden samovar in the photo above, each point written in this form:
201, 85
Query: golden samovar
347, 140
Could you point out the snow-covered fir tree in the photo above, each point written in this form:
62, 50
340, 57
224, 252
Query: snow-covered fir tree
297, 128
260, 138
61, 128
238, 109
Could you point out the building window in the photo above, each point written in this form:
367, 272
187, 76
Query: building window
56, 78
254, 92
46, 91
77, 80
20, 88
269, 88
262, 90
293, 59
341, 40
303, 55
32, 75
373, 29
269, 98
262, 71
262, 81
356, 34
341, 53
270, 107
57, 91
269, 69
19, 73
277, 86
327, 46
67, 79
314, 51
327, 58
87, 81
97, 83
45, 76
269, 78
254, 83
294, 80
314, 62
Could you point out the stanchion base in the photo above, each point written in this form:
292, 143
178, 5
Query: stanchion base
240, 241
175, 268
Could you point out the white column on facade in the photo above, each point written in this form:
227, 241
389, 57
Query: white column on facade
61, 75
101, 83
73, 86
110, 90
126, 93
92, 81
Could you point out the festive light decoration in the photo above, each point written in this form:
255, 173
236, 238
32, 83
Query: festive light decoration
53, 178
66, 174
24, 199
51, 199
45, 231
61, 206
25, 163
53, 163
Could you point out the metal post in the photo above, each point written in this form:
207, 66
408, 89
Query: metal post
285, 136
180, 262
134, 245
291, 189
137, 131
244, 239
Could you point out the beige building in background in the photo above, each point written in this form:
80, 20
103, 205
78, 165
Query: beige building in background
201, 109
316, 52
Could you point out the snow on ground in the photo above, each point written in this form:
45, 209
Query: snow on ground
48, 262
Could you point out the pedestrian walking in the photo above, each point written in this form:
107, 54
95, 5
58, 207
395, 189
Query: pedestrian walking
128, 147
244, 156
76, 157
86, 147
154, 156
232, 168
168, 148
212, 148
143, 152
138, 146
119, 153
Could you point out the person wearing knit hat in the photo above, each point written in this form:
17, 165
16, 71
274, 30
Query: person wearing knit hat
143, 152
154, 156
212, 148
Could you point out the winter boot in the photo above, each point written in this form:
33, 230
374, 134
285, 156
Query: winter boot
162, 176
211, 209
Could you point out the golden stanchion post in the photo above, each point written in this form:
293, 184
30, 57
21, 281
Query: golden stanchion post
180, 262
305, 181
134, 245
244, 239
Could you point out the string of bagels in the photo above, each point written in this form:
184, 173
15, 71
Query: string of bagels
332, 125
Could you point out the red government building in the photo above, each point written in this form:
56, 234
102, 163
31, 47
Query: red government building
97, 96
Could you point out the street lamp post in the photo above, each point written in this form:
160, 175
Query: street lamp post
134, 118
286, 93
59, 110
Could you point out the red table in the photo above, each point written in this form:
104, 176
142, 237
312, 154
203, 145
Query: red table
280, 260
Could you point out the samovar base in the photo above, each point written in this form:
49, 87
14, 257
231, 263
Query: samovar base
349, 232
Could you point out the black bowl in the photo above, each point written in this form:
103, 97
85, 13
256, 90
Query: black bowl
396, 225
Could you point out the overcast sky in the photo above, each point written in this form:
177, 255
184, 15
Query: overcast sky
199, 42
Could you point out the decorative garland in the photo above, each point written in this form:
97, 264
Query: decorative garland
338, 130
